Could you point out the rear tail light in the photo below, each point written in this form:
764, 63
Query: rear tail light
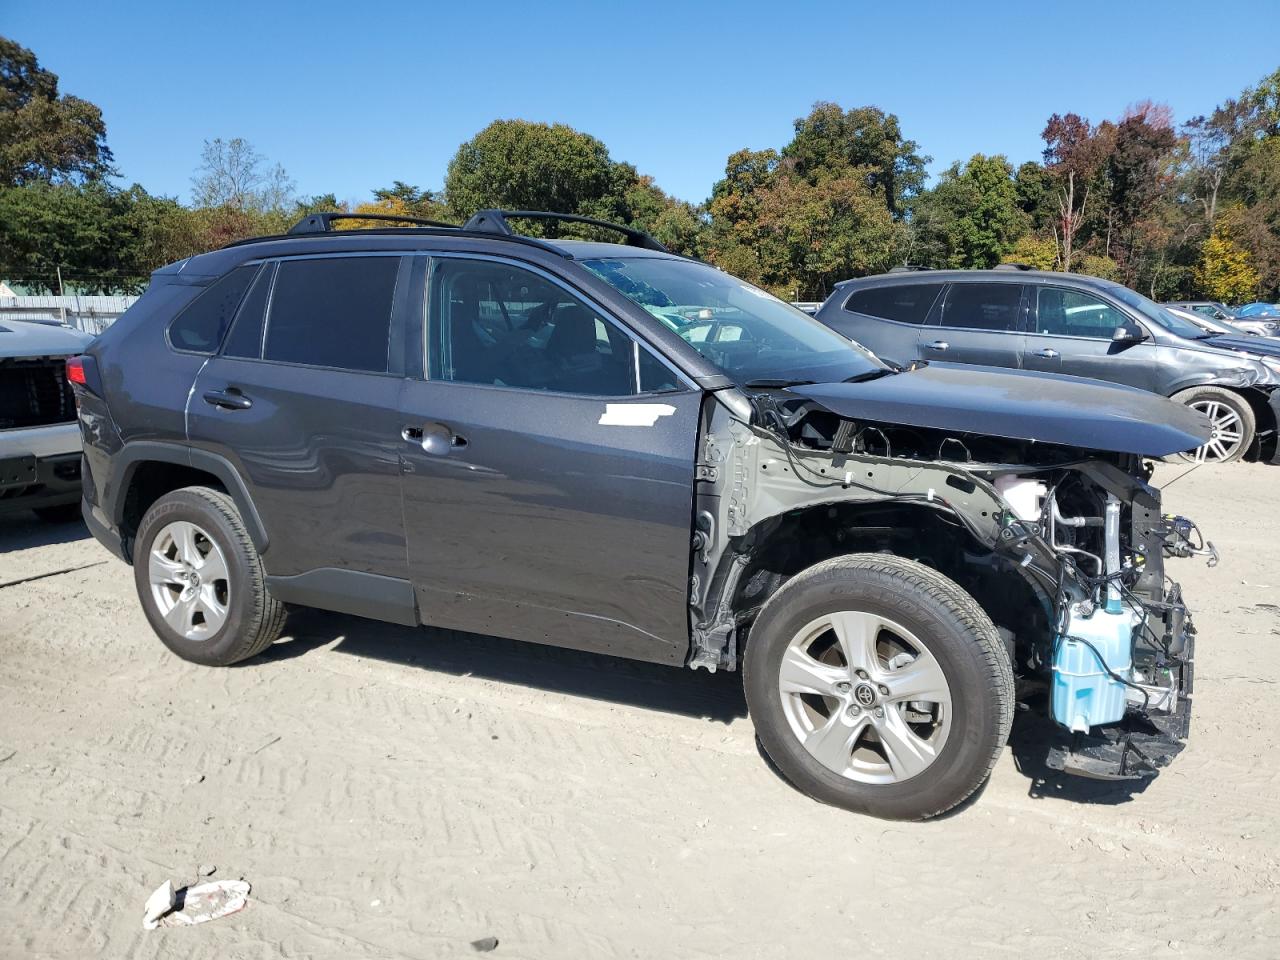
83, 371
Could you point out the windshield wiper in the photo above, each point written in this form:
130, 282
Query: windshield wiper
777, 384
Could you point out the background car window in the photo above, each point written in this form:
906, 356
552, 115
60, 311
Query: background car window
332, 312
982, 306
1070, 313
200, 327
903, 302
245, 338
496, 324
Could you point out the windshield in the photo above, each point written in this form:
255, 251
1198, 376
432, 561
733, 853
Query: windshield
747, 333
1157, 314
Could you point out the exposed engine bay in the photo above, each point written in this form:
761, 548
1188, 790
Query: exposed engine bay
1064, 548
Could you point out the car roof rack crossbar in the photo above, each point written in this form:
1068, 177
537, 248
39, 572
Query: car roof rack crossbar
495, 221
909, 268
1013, 266
323, 222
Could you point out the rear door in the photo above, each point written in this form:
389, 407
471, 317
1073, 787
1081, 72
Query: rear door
886, 319
303, 400
548, 457
976, 322
1070, 331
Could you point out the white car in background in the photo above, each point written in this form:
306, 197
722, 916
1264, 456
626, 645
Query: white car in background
39, 433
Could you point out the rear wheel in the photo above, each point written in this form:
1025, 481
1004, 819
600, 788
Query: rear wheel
878, 685
201, 581
1232, 420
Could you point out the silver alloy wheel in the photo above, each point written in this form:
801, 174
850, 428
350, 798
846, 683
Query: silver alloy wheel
1228, 431
189, 580
865, 697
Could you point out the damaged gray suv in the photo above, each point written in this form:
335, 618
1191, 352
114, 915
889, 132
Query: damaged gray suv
608, 447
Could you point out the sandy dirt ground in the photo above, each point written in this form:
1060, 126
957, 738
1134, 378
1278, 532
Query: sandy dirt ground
396, 793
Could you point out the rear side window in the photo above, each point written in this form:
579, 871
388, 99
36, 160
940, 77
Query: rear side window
332, 312
200, 327
903, 302
245, 338
982, 306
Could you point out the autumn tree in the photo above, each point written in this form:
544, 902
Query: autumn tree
1224, 272
1074, 152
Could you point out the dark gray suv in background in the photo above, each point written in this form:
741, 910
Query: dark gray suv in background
612, 448
1072, 324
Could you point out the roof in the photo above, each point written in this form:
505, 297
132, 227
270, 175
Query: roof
1008, 275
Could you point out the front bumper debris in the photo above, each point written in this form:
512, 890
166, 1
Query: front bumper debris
1137, 747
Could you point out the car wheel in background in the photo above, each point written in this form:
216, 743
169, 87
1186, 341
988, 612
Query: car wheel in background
1234, 423
878, 685
201, 581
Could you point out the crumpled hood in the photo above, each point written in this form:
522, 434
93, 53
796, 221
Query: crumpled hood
1262, 346
1019, 405
20, 338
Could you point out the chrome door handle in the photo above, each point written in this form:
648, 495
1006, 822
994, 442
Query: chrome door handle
434, 438
1048, 353
939, 345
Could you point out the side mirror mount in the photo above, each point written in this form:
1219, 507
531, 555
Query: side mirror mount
1127, 334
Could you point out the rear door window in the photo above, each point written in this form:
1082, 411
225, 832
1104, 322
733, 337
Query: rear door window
1071, 313
245, 338
332, 312
200, 327
982, 306
901, 302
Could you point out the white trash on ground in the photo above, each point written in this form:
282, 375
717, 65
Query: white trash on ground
197, 903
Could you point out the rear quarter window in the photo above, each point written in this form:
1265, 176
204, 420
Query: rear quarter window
901, 302
201, 326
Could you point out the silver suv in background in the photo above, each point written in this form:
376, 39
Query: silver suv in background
39, 434
1062, 323
1258, 326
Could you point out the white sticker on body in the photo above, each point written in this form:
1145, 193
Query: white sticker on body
634, 414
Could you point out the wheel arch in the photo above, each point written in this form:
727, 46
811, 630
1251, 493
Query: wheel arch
149, 469
778, 549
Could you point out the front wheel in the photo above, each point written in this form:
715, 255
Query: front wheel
878, 685
1231, 418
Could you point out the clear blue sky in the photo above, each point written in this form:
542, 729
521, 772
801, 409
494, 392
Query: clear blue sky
352, 95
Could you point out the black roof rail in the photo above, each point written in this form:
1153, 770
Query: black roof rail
1013, 266
908, 268
495, 221
323, 222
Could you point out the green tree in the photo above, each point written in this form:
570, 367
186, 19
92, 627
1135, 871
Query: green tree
971, 219
45, 136
832, 142
518, 165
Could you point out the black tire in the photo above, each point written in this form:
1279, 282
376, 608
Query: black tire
62, 513
254, 619
1236, 403
957, 633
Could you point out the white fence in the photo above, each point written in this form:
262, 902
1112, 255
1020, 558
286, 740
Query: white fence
90, 314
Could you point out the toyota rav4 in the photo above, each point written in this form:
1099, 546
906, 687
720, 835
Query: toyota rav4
608, 447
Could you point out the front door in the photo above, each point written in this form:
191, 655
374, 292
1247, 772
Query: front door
1070, 331
546, 497
976, 323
